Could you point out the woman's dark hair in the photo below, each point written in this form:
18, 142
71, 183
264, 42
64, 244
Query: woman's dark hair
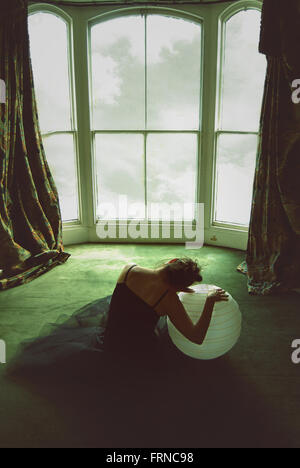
183, 272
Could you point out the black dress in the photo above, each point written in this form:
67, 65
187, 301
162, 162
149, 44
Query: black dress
117, 333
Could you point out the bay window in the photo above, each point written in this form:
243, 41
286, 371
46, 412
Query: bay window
165, 111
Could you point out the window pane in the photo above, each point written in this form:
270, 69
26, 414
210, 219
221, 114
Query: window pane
173, 73
120, 172
60, 156
49, 55
236, 156
171, 168
244, 71
118, 74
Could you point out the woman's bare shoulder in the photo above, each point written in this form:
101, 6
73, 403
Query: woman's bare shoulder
124, 271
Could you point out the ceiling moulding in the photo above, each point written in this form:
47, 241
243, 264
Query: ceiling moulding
129, 2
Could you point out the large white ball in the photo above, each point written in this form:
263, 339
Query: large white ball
224, 330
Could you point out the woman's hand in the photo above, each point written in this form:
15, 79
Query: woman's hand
217, 295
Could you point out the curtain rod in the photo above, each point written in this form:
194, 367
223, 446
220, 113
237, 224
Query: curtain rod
133, 2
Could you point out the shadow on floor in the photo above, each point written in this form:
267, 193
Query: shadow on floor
188, 404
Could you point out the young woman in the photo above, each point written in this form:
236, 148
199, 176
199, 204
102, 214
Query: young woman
126, 327
143, 295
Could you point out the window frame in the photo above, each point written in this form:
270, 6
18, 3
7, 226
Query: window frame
212, 17
224, 17
143, 11
67, 19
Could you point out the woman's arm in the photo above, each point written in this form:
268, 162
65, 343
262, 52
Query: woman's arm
180, 319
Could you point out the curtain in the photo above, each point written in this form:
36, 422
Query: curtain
272, 262
30, 219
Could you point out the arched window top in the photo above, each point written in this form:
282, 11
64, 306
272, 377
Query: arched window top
50, 9
148, 64
239, 6
242, 71
148, 10
49, 47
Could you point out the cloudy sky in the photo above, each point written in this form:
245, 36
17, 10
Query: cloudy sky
146, 76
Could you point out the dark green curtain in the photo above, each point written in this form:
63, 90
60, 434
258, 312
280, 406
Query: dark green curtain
272, 263
30, 219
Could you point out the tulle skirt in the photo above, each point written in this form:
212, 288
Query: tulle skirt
73, 348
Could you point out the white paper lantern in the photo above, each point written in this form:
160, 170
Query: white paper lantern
224, 330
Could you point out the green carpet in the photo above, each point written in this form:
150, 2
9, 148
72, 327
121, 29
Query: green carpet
249, 398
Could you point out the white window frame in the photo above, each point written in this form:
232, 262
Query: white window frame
213, 18
145, 133
229, 13
67, 19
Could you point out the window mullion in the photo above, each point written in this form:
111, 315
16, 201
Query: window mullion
146, 75
145, 174
59, 132
236, 132
146, 122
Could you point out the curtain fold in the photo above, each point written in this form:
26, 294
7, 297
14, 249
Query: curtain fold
273, 253
30, 218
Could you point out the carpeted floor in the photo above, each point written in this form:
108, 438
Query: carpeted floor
249, 398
